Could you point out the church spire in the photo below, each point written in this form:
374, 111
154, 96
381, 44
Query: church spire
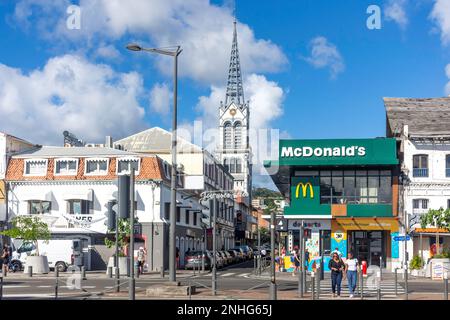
235, 91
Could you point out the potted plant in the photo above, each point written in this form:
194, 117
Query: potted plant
416, 265
31, 229
123, 240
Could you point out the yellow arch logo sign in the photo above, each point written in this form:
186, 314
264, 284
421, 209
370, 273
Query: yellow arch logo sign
304, 187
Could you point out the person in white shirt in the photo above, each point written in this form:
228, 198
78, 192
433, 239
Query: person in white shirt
351, 266
336, 250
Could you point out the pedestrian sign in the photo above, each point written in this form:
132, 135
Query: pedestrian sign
281, 224
402, 238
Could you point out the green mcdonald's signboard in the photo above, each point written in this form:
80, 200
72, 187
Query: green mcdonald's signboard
379, 151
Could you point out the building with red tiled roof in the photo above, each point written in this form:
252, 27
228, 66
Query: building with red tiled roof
70, 187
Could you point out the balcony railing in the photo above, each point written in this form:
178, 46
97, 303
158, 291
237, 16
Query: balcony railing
420, 173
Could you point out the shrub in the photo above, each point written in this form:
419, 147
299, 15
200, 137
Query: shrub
416, 263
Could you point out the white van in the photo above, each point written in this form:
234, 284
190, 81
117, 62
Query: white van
59, 253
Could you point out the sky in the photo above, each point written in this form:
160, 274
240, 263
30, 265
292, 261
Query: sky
311, 68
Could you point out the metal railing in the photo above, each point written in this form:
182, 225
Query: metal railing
420, 172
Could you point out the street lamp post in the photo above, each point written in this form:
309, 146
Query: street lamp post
173, 196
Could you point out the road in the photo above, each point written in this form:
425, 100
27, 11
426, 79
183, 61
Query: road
237, 277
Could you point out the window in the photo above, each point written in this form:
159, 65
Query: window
194, 221
178, 214
79, 206
96, 166
420, 165
238, 166
232, 165
448, 204
39, 207
420, 203
187, 216
447, 166
350, 186
237, 135
227, 133
66, 166
36, 167
167, 211
226, 164
124, 166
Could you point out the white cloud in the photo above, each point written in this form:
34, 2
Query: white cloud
108, 52
160, 98
441, 16
447, 87
202, 29
69, 93
325, 54
395, 10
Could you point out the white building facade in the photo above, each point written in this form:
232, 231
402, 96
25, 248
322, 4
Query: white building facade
69, 189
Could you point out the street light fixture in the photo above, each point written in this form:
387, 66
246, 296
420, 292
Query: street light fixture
173, 52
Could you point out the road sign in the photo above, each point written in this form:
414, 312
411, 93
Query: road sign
281, 224
402, 238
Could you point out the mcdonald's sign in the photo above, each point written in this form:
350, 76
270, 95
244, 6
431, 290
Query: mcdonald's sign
304, 187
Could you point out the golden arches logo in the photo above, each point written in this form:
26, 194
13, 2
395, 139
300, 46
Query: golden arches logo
304, 187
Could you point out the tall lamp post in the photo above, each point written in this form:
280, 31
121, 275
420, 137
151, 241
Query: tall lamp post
173, 52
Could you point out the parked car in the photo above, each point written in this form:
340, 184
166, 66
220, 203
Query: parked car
235, 255
219, 259
229, 257
247, 251
194, 260
241, 253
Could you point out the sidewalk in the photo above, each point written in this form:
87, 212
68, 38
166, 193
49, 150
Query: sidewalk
98, 275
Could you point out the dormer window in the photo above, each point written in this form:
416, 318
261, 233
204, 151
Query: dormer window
66, 166
124, 166
96, 167
36, 167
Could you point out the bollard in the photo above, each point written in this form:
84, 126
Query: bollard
117, 280
110, 273
305, 288
381, 267
30, 271
445, 285
379, 285
254, 264
405, 274
203, 263
137, 271
56, 283
300, 284
83, 273
395, 279
361, 286
162, 271
1, 286
313, 283
318, 278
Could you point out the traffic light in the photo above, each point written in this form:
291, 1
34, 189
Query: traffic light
111, 215
124, 196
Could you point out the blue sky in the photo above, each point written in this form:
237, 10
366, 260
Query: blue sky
313, 69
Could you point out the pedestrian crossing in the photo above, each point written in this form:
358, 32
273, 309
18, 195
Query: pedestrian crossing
227, 275
370, 288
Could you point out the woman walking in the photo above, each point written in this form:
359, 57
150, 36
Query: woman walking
352, 273
337, 267
296, 261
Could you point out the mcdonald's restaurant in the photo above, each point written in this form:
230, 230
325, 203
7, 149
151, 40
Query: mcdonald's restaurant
345, 192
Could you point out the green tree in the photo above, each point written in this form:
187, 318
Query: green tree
123, 239
29, 229
264, 235
439, 218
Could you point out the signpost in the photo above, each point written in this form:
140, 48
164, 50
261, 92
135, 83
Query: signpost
402, 238
281, 224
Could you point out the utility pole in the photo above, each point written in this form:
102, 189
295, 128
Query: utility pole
214, 267
301, 280
116, 258
132, 281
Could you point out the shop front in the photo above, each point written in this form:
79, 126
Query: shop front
346, 194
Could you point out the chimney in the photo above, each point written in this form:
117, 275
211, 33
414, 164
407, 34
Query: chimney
109, 142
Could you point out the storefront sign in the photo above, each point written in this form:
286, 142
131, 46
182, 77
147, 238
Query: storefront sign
381, 151
368, 224
309, 224
305, 187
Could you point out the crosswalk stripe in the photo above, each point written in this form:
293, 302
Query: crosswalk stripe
5, 286
243, 275
227, 274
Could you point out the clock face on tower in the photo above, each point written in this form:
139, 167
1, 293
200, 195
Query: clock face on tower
233, 112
